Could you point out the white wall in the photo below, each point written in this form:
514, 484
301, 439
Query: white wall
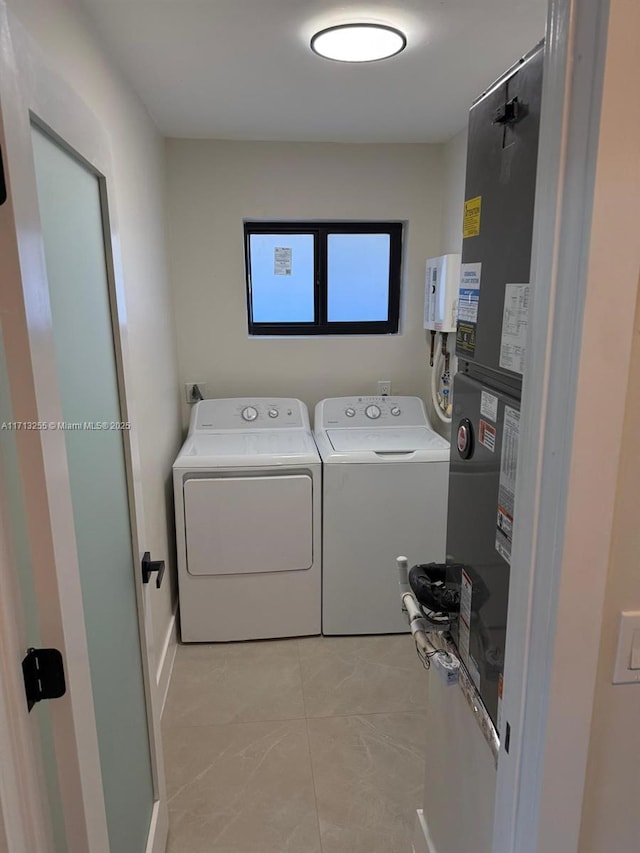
611, 817
460, 779
214, 185
454, 170
65, 36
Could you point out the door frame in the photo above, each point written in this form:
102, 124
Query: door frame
579, 343
31, 92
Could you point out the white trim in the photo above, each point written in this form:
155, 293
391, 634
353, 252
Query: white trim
563, 520
167, 659
422, 841
24, 816
30, 89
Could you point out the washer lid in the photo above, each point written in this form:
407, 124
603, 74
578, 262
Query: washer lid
248, 449
388, 440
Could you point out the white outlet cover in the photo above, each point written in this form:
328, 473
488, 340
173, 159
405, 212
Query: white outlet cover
628, 632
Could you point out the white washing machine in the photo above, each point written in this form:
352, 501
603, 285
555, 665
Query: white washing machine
385, 483
247, 487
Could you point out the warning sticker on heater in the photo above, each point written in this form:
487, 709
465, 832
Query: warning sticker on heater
471, 221
282, 260
507, 487
464, 626
469, 292
489, 406
515, 319
487, 435
466, 338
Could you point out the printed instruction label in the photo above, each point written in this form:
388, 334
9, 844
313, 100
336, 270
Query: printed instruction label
514, 327
282, 260
507, 487
487, 435
469, 292
489, 406
471, 219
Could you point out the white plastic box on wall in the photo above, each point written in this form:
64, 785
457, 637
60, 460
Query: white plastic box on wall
442, 281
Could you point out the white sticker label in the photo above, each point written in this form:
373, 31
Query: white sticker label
282, 260
514, 327
507, 487
469, 292
466, 592
489, 406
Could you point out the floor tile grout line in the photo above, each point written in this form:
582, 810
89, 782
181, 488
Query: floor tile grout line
313, 783
306, 724
169, 726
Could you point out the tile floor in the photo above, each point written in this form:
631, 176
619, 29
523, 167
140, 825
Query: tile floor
295, 746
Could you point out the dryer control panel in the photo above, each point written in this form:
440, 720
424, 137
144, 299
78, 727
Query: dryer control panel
372, 412
251, 413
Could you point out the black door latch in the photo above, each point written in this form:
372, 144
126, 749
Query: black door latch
508, 113
149, 566
43, 672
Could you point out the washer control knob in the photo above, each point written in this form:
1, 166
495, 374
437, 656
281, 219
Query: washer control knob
273, 413
350, 413
396, 411
372, 412
249, 414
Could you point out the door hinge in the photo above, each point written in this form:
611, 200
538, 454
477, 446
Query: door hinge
149, 566
3, 183
43, 672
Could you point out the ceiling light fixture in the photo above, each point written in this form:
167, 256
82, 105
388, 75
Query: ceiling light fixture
358, 42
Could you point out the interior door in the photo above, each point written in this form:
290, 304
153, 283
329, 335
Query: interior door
64, 328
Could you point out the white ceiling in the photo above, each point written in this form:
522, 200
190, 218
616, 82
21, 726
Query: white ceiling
242, 69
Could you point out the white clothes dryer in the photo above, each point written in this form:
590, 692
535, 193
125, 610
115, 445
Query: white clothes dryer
385, 484
247, 488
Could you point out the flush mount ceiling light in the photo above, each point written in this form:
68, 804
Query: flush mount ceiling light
358, 42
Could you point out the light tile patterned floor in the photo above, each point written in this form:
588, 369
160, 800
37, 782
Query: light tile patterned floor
295, 746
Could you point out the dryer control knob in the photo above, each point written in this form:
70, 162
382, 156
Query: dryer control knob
350, 413
273, 413
396, 411
372, 412
249, 414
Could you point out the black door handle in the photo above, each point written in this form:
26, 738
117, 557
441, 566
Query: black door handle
149, 566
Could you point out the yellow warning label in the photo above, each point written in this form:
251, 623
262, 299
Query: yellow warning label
471, 224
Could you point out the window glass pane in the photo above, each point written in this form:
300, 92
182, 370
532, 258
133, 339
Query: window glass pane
358, 277
282, 278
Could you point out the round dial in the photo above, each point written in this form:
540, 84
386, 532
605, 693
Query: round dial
249, 414
372, 412
273, 413
350, 413
395, 411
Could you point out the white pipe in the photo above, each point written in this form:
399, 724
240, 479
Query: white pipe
435, 373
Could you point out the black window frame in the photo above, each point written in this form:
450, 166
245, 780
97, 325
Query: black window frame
320, 231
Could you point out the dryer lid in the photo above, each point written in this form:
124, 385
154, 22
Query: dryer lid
387, 440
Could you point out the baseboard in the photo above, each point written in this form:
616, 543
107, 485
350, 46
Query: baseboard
167, 658
422, 842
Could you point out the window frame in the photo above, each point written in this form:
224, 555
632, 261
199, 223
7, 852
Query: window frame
320, 231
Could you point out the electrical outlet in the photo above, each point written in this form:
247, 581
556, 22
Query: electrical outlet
189, 392
384, 387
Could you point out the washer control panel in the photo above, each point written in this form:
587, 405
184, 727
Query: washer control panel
372, 412
249, 414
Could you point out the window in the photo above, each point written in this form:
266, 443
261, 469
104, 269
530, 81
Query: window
323, 278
